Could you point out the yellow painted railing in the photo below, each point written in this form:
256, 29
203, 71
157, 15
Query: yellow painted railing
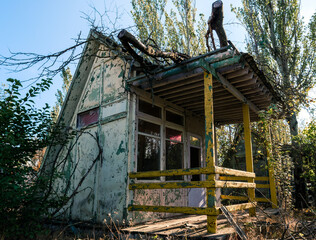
233, 176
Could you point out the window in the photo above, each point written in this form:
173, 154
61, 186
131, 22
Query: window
148, 155
160, 139
174, 151
88, 117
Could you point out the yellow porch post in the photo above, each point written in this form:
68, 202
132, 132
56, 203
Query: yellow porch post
271, 177
209, 148
249, 156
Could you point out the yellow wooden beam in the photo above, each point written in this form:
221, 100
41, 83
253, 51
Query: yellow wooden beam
273, 194
242, 206
237, 173
233, 178
209, 149
173, 209
249, 156
172, 172
225, 184
263, 185
243, 198
172, 185
262, 179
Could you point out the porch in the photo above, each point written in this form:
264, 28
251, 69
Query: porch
223, 87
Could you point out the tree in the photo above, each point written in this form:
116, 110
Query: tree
61, 93
286, 50
164, 31
23, 131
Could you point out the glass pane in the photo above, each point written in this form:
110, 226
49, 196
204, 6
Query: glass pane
195, 142
173, 134
148, 127
148, 108
88, 117
174, 118
174, 158
148, 156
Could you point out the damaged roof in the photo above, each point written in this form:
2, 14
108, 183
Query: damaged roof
236, 80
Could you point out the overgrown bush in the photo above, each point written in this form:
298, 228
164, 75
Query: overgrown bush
24, 130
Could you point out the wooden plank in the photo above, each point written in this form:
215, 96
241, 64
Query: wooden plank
174, 209
243, 198
225, 184
242, 206
229, 69
209, 149
227, 85
184, 93
233, 178
172, 185
249, 155
263, 185
234, 172
173, 172
238, 73
180, 89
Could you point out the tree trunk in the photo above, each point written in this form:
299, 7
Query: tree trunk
300, 191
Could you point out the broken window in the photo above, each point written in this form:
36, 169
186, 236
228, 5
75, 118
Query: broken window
148, 153
160, 139
87, 118
174, 151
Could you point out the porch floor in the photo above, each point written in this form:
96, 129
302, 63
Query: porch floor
190, 226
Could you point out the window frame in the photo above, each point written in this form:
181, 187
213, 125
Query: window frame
163, 125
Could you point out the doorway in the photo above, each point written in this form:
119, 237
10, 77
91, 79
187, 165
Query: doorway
196, 196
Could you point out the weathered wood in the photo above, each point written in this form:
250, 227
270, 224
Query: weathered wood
228, 184
126, 38
172, 185
243, 198
181, 89
173, 172
209, 149
249, 155
215, 22
263, 185
233, 172
233, 178
227, 85
229, 69
242, 206
173, 209
238, 73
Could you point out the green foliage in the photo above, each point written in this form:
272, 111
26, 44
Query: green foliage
307, 140
60, 95
284, 47
24, 130
163, 29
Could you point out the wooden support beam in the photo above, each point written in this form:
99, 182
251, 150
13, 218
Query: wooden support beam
229, 87
249, 155
209, 149
242, 206
263, 185
228, 184
172, 185
243, 198
173, 172
229, 69
173, 209
180, 89
233, 172
233, 178
241, 72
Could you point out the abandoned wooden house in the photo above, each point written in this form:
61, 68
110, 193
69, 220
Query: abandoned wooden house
145, 141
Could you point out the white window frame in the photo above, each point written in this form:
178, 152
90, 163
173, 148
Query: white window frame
163, 125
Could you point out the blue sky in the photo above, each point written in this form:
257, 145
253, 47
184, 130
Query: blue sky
48, 26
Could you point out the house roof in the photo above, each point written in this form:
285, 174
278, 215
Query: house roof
237, 80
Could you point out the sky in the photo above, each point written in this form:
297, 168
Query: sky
45, 27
